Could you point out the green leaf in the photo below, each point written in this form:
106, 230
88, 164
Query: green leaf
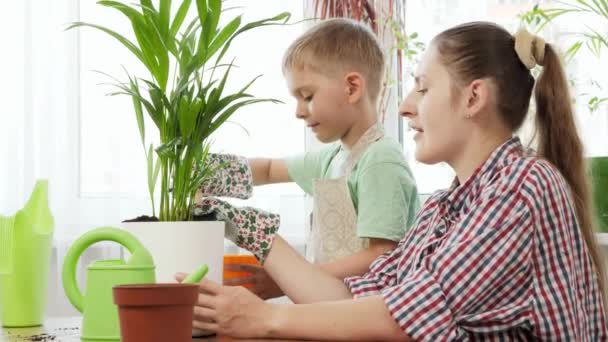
573, 50
595, 41
147, 3
156, 97
214, 9
150, 158
152, 176
167, 150
124, 41
139, 115
128, 11
143, 28
201, 7
280, 19
217, 92
231, 110
179, 17
165, 17
188, 114
223, 36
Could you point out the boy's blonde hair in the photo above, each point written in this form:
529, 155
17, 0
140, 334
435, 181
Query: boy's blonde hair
339, 45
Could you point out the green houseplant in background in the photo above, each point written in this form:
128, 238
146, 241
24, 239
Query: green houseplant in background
182, 45
595, 41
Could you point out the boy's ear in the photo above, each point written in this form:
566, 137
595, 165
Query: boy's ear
355, 86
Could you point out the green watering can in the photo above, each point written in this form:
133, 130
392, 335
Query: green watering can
100, 314
25, 250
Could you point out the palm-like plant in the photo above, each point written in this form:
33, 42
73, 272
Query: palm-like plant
185, 97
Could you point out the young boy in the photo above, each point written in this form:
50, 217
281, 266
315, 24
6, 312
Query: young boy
364, 194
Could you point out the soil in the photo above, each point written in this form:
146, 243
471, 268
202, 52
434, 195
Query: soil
143, 218
45, 337
42, 338
146, 218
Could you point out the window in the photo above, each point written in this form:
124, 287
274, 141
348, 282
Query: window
429, 17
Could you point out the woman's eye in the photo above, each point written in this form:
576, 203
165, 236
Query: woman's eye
422, 91
308, 98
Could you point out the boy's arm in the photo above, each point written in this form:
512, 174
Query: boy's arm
358, 263
269, 171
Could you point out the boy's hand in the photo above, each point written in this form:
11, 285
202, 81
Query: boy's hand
249, 228
230, 176
261, 283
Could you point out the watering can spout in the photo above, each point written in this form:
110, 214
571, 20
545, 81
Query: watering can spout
36, 213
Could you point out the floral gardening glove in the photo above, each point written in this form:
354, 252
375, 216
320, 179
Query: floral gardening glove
230, 177
249, 228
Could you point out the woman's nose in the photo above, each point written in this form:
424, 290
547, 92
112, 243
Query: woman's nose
407, 108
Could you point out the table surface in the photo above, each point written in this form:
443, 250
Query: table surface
68, 330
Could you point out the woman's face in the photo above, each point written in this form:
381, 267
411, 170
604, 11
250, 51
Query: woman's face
435, 111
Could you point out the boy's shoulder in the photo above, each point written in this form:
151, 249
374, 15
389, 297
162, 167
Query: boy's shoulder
385, 150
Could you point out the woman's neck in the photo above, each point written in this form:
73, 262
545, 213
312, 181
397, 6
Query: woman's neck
475, 152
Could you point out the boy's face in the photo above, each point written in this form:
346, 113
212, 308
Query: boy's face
322, 102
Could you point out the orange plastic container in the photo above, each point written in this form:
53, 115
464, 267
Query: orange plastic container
238, 259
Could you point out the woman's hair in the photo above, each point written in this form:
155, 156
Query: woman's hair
485, 50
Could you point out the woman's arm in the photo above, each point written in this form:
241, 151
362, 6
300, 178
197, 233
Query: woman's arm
237, 312
365, 319
300, 280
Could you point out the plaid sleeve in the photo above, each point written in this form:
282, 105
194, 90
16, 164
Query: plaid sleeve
382, 274
478, 281
384, 270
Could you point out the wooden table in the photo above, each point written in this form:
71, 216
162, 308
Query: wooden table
68, 330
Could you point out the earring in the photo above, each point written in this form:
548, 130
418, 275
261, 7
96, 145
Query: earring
468, 116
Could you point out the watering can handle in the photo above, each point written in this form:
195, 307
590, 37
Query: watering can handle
70, 284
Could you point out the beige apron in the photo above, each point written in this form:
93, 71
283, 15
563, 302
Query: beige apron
333, 225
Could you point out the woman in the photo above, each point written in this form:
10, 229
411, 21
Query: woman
507, 253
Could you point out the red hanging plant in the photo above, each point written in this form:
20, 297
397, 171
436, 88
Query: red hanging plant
359, 10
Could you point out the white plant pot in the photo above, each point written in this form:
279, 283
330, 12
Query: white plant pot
182, 246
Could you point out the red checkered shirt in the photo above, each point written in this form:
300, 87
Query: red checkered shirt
498, 258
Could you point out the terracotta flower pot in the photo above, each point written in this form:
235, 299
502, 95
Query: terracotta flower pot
156, 312
238, 259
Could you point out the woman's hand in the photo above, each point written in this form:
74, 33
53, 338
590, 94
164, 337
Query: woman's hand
258, 281
232, 311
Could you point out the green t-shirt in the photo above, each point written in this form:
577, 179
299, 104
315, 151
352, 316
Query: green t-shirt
381, 185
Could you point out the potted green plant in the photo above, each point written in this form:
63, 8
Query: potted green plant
595, 41
185, 97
